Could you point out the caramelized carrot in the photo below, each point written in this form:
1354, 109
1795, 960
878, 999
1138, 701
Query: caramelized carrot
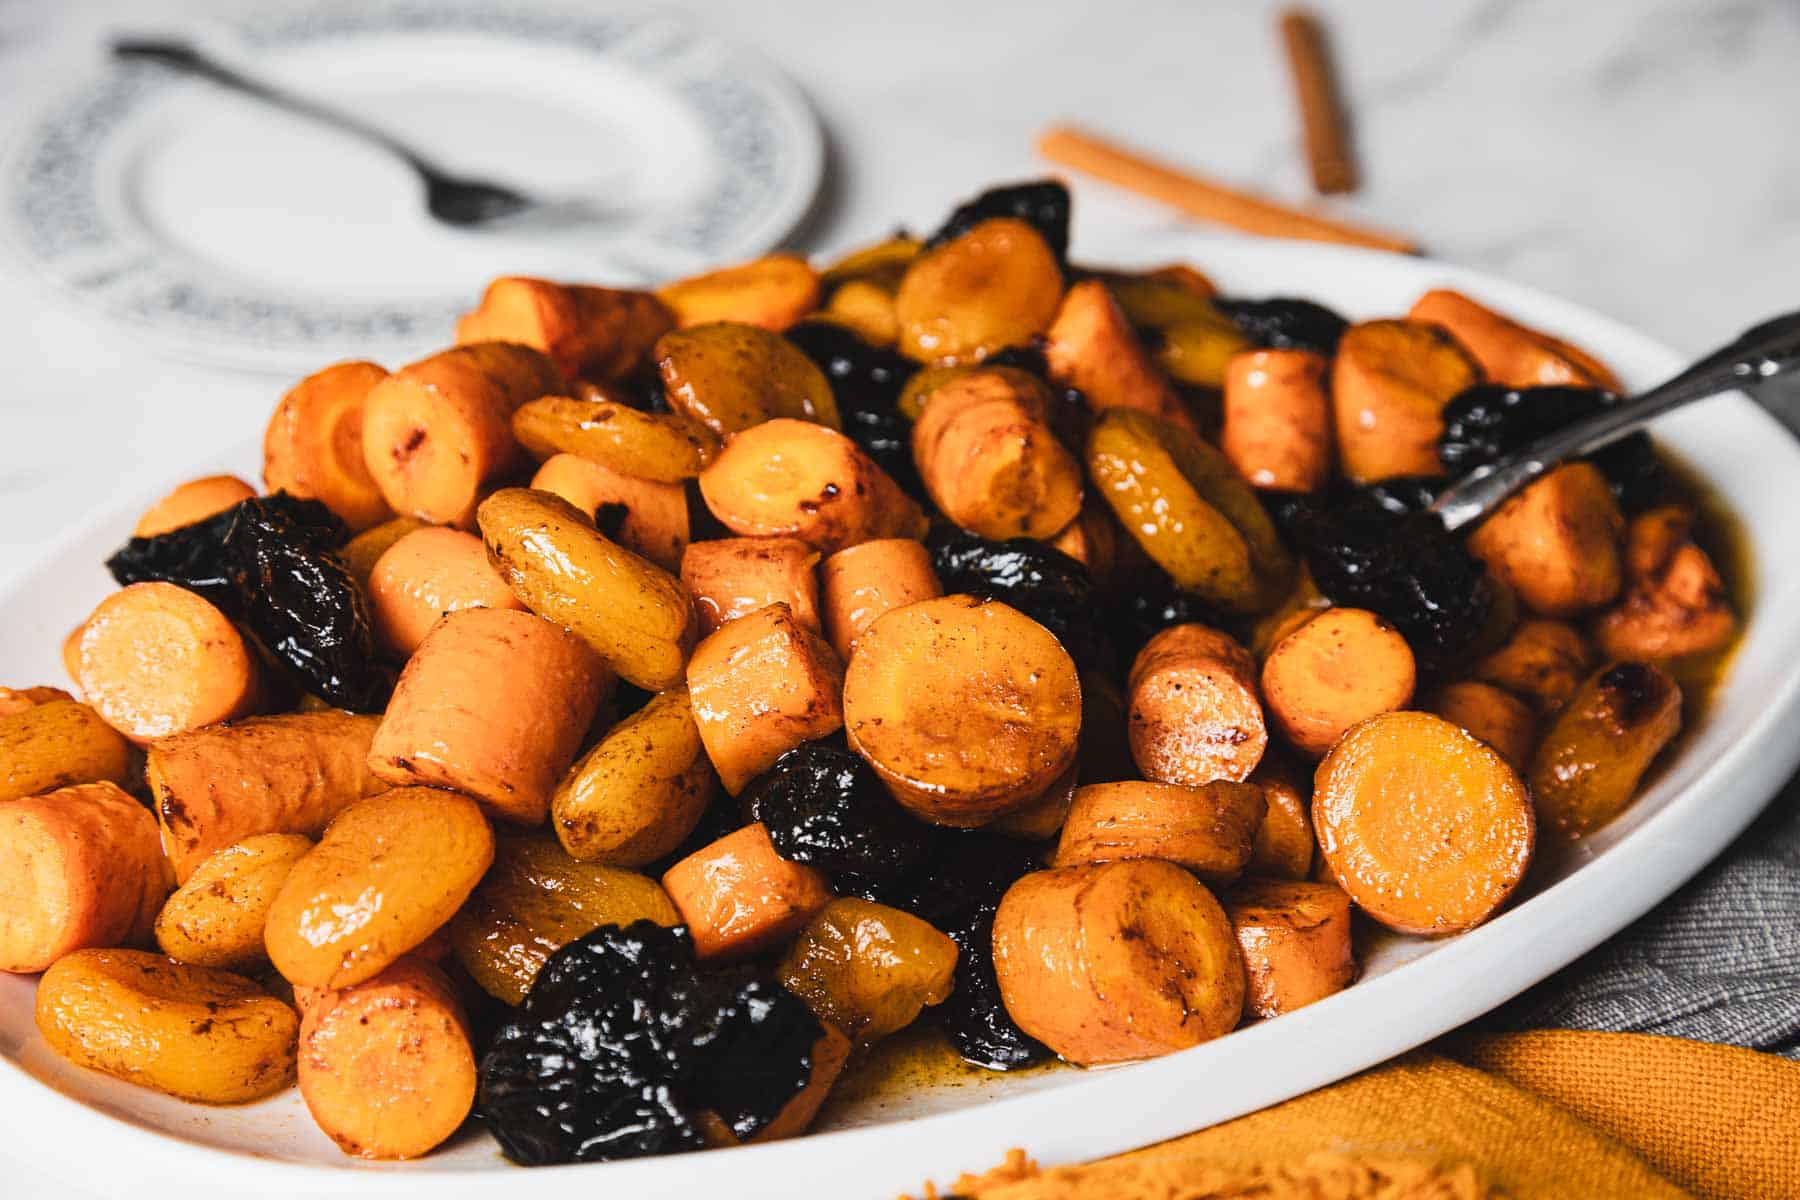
1587, 767
283, 774
1424, 825
1557, 542
363, 551
595, 332
1195, 716
1091, 539
967, 709
1043, 817
53, 745
654, 520
760, 686
1207, 829
1295, 938
1091, 345
791, 478
80, 867
861, 583
992, 287
1277, 429
773, 291
1117, 961
1497, 717
988, 458
1283, 848
739, 897
436, 431
1341, 667
426, 574
494, 703
1389, 384
192, 502
733, 577
156, 659
313, 447
17, 700
1543, 662
1674, 604
1511, 353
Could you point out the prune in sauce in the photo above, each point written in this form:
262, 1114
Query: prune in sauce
1489, 421
195, 556
1045, 584
824, 806
866, 381
1285, 323
1144, 604
973, 1016
623, 1045
1041, 203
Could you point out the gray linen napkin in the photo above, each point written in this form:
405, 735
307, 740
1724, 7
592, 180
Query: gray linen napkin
1719, 961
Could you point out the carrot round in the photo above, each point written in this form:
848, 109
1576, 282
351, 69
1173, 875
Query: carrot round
1423, 824
992, 287
18, 700
1194, 712
426, 574
1543, 661
1283, 848
1389, 384
1277, 429
387, 1068
1117, 961
1494, 715
1557, 543
654, 517
493, 703
79, 867
739, 897
363, 551
1675, 603
192, 502
283, 774
155, 659
313, 447
1510, 353
1295, 938
988, 458
861, 583
760, 686
1207, 829
1091, 345
597, 332
733, 577
792, 478
55, 744
967, 709
1341, 667
436, 431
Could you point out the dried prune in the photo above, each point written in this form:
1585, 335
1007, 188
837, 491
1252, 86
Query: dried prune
1285, 323
623, 1044
866, 381
824, 806
974, 1017
1041, 203
1487, 422
1145, 603
1045, 584
194, 556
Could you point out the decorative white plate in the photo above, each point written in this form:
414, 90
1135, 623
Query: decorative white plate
228, 231
114, 1137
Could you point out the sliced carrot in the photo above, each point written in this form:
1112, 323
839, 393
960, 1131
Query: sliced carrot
1283, 848
192, 502
995, 286
426, 574
1043, 817
55, 744
1389, 384
494, 703
1423, 824
363, 551
1557, 542
1195, 716
739, 897
1341, 667
436, 431
1511, 353
1494, 715
17, 700
733, 577
1675, 604
761, 685
774, 292
1543, 662
156, 659
1588, 766
967, 709
600, 333
1277, 429
1295, 938
654, 517
1207, 829
989, 460
79, 867
313, 447
862, 582
1092, 346
1117, 961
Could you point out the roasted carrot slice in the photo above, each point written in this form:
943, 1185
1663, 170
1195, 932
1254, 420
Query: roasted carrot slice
1195, 716
313, 447
987, 456
1543, 661
1556, 543
994, 286
426, 574
1117, 961
55, 744
1587, 768
1511, 353
596, 332
967, 709
733, 577
156, 659
1341, 667
1389, 384
862, 582
1277, 429
1675, 604
1295, 938
192, 502
650, 517
17, 700
1494, 715
1283, 848
774, 292
739, 897
363, 551
1423, 824
1207, 829
1092, 346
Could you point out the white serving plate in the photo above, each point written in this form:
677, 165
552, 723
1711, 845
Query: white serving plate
110, 1136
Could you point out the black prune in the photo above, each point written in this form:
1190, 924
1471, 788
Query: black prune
1145, 603
973, 1016
1487, 422
866, 382
195, 557
1041, 203
824, 806
1285, 323
622, 1044
1045, 584
1404, 494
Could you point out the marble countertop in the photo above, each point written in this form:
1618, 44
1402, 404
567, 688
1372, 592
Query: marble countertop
1633, 155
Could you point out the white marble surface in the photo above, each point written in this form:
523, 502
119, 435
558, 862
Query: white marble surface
1634, 155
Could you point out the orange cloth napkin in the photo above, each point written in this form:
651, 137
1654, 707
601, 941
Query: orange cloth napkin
1552, 1113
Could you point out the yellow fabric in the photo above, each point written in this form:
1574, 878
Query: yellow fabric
1530, 1116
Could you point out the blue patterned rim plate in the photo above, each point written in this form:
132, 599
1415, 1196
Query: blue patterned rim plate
228, 232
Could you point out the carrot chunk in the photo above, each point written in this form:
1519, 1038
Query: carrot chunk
1389, 384
739, 897
1277, 429
1341, 667
862, 582
1587, 768
1494, 715
773, 292
1207, 829
1674, 604
1195, 716
56, 744
313, 447
1295, 938
426, 574
192, 502
1557, 542
1543, 662
733, 577
654, 517
1510, 353
1283, 848
596, 332
1092, 346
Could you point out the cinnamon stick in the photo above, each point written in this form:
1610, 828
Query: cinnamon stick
1322, 117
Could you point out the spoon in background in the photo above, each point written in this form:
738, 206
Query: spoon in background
1762, 354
